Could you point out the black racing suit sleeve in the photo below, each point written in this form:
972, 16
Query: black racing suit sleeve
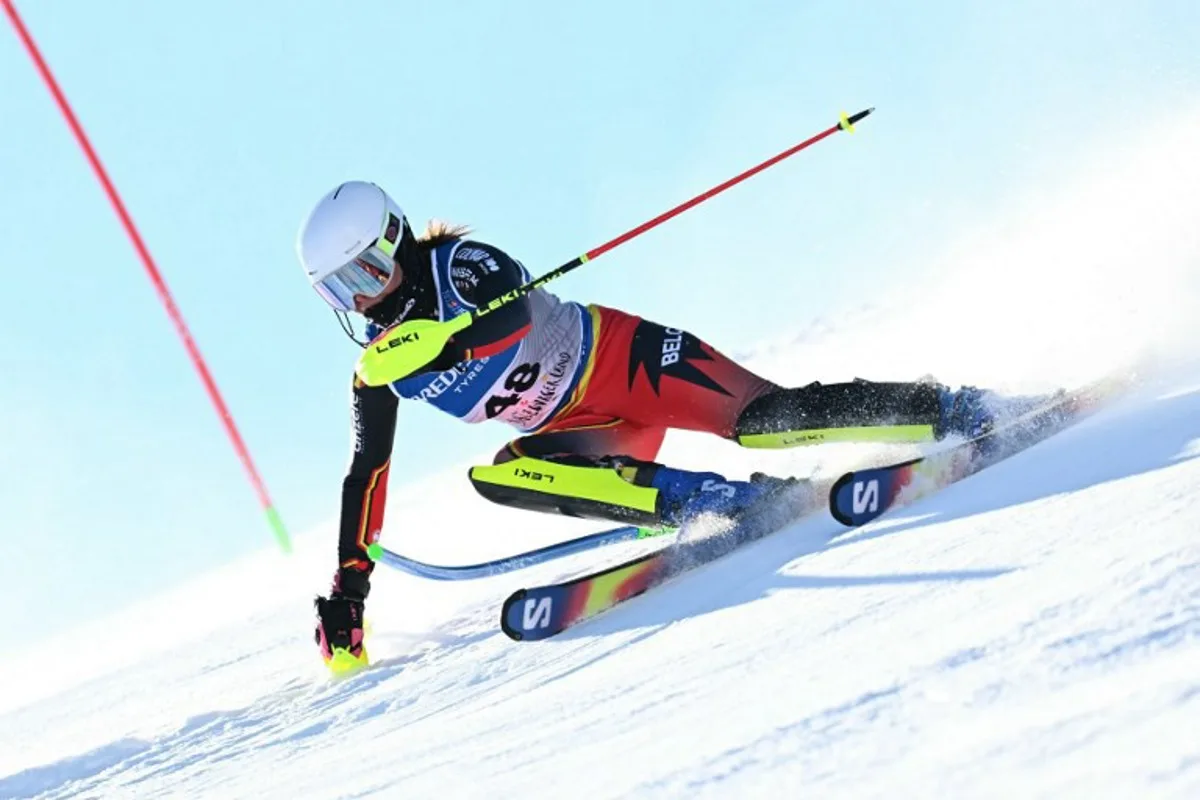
364, 490
481, 273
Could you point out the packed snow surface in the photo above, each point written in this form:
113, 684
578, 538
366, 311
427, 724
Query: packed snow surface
1034, 630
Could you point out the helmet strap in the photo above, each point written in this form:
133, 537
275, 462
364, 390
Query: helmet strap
348, 328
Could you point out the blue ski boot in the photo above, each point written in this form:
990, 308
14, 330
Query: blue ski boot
972, 412
964, 413
685, 495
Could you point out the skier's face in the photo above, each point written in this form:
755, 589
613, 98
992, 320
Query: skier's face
362, 302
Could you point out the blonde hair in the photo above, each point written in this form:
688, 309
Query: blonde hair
438, 232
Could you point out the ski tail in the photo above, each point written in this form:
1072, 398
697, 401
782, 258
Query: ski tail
864, 495
861, 496
538, 613
541, 612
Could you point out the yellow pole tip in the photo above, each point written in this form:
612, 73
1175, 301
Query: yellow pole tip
845, 123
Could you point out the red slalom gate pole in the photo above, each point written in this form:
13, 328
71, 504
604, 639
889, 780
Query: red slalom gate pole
156, 278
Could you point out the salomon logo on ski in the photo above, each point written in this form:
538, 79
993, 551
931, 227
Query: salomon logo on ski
537, 613
866, 496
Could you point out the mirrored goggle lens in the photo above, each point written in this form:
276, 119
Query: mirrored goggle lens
366, 275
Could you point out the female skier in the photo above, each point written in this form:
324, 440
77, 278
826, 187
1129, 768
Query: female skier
592, 391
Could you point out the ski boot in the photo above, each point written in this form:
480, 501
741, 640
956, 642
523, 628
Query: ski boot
964, 413
972, 413
685, 495
339, 633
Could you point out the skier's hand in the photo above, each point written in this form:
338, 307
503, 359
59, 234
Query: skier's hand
404, 349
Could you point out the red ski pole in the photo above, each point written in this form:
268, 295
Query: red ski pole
844, 124
411, 345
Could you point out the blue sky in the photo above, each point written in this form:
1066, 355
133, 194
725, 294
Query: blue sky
550, 128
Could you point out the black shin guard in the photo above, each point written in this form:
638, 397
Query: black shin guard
809, 414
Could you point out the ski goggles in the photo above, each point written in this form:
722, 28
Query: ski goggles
366, 274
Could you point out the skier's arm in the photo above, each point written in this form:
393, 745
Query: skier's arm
364, 490
481, 273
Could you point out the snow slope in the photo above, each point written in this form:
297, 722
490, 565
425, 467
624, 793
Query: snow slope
1033, 631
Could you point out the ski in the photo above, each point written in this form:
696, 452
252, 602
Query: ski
541, 612
855, 498
861, 496
439, 572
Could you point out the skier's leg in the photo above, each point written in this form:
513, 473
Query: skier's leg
596, 470
575, 471
863, 411
595, 458
858, 411
665, 377
588, 436
570, 472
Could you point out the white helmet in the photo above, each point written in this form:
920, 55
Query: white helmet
348, 243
